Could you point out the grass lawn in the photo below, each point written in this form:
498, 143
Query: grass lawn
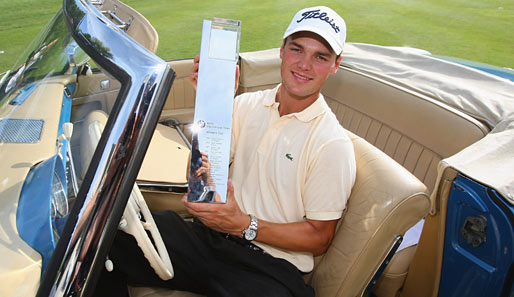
479, 30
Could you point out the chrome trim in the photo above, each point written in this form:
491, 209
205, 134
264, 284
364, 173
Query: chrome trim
121, 24
146, 80
163, 188
161, 185
105, 84
97, 2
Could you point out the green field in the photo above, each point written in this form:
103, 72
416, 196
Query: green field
479, 30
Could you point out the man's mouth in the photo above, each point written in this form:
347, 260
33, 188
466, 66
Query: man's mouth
300, 77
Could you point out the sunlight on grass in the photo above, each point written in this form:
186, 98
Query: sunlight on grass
474, 30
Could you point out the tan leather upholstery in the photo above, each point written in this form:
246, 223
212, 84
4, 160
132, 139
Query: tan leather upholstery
166, 163
386, 200
259, 70
180, 103
425, 268
91, 131
403, 128
167, 158
394, 277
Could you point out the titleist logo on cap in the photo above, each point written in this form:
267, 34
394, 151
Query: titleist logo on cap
315, 14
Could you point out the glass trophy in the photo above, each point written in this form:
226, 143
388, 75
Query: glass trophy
210, 152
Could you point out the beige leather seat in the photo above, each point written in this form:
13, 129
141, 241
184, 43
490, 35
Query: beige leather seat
91, 132
386, 200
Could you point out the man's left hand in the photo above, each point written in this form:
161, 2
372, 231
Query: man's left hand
223, 217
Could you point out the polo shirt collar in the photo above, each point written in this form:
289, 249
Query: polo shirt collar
314, 110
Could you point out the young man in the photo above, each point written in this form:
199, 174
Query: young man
292, 172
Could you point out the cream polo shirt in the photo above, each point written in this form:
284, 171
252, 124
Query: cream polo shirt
286, 169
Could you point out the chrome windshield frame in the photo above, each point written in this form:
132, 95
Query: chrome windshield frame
145, 82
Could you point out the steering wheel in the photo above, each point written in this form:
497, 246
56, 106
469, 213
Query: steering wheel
137, 218
136, 221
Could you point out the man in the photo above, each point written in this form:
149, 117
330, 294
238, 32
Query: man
292, 172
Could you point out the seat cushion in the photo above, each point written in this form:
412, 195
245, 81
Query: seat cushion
167, 158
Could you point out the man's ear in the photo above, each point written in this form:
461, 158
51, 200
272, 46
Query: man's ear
284, 41
337, 64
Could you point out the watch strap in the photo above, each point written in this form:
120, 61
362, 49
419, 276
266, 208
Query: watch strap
250, 233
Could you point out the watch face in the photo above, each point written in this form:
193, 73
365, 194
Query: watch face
250, 234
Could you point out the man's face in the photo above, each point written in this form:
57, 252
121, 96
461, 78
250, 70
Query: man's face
307, 60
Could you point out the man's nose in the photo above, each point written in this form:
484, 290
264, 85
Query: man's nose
304, 62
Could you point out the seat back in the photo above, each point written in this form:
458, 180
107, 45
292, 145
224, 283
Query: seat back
385, 201
180, 103
259, 70
413, 129
91, 132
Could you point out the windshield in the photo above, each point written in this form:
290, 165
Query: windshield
53, 109
77, 113
53, 53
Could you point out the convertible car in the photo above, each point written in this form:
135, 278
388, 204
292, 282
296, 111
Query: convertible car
95, 134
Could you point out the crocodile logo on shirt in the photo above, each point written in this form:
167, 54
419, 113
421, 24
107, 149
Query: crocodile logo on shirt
289, 157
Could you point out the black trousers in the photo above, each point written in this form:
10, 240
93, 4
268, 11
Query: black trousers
205, 262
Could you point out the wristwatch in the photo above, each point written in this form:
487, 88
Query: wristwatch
250, 233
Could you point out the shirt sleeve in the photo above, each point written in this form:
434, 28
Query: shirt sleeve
330, 180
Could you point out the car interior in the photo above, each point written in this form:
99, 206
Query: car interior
399, 136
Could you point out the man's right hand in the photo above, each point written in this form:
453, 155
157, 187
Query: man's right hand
193, 78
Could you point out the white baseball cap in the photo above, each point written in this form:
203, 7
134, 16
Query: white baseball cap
323, 21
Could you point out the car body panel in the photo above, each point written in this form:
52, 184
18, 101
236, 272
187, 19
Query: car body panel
33, 219
17, 159
479, 245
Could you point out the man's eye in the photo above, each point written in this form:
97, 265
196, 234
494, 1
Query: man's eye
321, 58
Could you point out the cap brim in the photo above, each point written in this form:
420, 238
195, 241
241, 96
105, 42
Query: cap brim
336, 47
